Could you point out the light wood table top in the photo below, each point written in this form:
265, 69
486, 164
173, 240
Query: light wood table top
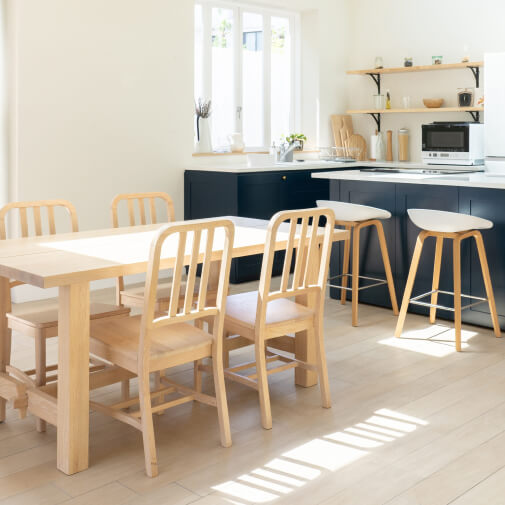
70, 258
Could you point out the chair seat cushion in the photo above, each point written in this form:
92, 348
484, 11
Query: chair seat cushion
353, 212
447, 222
117, 341
242, 308
48, 317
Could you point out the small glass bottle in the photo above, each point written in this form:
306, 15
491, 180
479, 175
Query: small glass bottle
378, 62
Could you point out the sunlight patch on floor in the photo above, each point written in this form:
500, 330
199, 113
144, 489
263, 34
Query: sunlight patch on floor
433, 340
320, 456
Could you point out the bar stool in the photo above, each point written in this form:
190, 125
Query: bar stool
354, 217
457, 227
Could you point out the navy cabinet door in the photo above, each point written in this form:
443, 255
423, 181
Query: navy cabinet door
261, 195
209, 194
415, 196
381, 195
489, 204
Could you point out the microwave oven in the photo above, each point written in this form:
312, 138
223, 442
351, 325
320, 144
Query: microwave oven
451, 143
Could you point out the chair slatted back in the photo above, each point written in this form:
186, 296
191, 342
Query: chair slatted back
140, 200
310, 246
35, 207
194, 243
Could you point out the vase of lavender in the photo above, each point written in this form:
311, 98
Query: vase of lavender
203, 138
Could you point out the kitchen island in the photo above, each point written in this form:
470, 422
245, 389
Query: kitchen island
478, 194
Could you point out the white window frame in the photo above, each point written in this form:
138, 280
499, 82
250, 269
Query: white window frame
266, 12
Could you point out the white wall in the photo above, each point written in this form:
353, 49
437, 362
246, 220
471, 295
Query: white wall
394, 29
104, 87
104, 100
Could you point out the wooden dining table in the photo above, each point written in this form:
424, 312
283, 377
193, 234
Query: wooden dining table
70, 262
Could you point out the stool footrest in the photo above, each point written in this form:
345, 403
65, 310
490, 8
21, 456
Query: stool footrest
377, 282
417, 300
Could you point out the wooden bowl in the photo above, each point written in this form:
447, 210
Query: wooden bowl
433, 103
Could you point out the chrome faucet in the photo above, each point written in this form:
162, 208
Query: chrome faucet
286, 151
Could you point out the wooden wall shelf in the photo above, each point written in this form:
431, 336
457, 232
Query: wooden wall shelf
418, 68
417, 110
376, 73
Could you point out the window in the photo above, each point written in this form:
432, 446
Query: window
246, 63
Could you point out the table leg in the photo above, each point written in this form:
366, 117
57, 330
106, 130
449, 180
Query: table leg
305, 349
73, 378
5, 333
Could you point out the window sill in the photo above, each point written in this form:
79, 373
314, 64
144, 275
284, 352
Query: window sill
229, 153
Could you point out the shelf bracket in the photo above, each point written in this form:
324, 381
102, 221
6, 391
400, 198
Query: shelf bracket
377, 119
475, 115
377, 80
476, 74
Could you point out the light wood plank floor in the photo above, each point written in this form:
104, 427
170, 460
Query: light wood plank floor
412, 422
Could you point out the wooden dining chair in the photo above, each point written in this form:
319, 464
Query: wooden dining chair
266, 314
141, 208
42, 324
155, 341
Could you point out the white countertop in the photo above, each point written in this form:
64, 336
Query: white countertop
241, 167
474, 180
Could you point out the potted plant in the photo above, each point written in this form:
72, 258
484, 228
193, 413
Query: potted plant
297, 137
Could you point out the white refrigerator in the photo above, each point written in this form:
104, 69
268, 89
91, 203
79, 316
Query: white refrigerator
494, 112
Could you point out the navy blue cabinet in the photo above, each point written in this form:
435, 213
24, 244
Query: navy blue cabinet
251, 194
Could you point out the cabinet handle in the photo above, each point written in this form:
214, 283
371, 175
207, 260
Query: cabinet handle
284, 177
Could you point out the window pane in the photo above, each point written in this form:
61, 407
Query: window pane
198, 52
281, 86
252, 79
223, 113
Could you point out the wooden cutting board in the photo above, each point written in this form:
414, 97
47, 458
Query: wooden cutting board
338, 122
358, 142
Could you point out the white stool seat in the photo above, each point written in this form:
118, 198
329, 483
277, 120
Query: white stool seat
353, 212
447, 222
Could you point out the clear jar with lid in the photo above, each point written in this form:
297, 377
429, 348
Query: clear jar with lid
403, 144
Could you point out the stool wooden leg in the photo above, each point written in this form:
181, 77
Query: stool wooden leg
436, 277
355, 274
345, 266
387, 266
456, 255
40, 372
410, 283
487, 282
